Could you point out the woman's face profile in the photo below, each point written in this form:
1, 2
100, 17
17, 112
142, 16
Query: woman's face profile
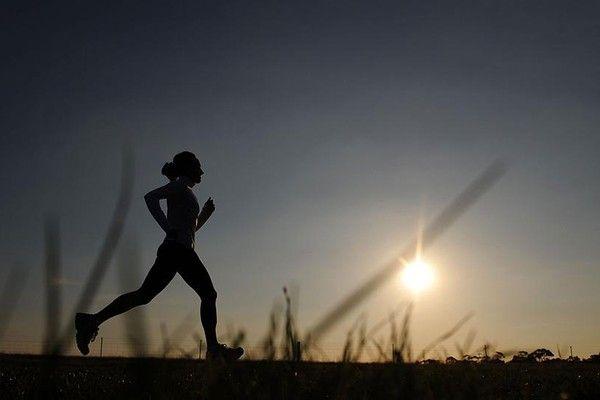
197, 172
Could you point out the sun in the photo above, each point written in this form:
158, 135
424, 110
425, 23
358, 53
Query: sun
417, 275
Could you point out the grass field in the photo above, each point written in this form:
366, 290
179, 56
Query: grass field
106, 378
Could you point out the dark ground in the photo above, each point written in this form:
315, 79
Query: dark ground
106, 378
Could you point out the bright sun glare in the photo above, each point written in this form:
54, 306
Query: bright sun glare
417, 275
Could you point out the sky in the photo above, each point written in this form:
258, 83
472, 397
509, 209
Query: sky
327, 131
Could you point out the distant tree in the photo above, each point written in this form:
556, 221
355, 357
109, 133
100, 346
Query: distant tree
521, 356
540, 355
496, 358
594, 358
429, 361
451, 360
470, 358
573, 359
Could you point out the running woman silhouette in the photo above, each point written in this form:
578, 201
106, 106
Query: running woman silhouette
175, 255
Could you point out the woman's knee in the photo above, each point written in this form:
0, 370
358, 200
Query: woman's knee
209, 295
142, 297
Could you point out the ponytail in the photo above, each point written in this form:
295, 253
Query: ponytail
170, 171
183, 164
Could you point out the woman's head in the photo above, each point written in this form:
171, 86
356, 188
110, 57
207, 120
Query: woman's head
183, 164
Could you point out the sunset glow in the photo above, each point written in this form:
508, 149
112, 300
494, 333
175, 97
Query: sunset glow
417, 275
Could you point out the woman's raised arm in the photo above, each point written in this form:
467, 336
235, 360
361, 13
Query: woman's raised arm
153, 198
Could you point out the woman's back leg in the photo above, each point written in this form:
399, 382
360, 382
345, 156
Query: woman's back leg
157, 279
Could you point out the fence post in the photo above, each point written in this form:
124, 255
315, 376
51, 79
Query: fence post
297, 353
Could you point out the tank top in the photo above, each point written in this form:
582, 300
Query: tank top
182, 213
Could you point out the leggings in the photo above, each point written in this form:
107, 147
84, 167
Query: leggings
171, 258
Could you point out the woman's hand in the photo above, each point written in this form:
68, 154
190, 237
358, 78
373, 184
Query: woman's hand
209, 207
207, 210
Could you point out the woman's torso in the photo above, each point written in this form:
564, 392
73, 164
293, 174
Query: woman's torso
182, 214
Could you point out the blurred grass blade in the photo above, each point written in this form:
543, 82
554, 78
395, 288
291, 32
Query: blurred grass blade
290, 335
165, 338
11, 293
384, 321
445, 335
108, 247
136, 326
469, 339
443, 221
268, 344
183, 329
402, 342
52, 284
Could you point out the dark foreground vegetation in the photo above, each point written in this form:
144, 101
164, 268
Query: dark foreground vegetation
106, 378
